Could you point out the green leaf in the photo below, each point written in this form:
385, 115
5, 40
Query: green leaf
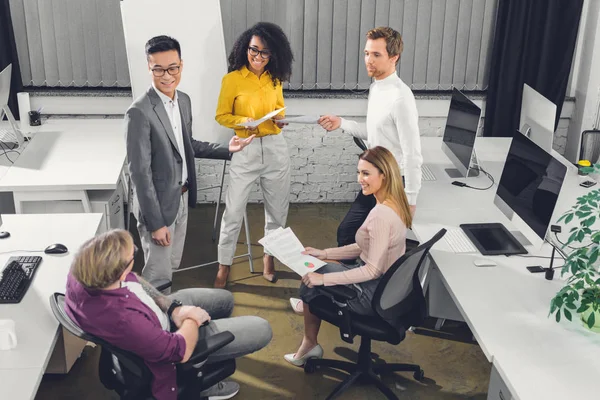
552, 307
591, 320
571, 306
589, 222
568, 315
582, 308
558, 316
562, 217
569, 218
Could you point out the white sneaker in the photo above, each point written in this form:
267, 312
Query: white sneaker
221, 391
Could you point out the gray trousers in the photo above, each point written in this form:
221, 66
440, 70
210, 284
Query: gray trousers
267, 161
160, 261
251, 333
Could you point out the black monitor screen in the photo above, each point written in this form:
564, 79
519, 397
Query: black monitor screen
531, 182
461, 127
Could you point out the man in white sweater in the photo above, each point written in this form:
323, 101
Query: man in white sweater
392, 122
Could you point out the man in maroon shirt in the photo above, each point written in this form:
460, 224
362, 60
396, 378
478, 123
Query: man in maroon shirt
107, 300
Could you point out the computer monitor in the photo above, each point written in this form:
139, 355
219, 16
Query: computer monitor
537, 118
12, 137
459, 136
527, 194
529, 187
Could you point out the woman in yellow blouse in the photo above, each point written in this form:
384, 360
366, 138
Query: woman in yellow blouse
261, 59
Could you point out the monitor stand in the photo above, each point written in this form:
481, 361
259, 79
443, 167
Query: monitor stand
473, 169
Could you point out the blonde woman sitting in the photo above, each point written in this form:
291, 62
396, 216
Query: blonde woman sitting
380, 241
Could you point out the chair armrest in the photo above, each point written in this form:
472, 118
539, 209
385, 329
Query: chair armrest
161, 284
206, 347
340, 293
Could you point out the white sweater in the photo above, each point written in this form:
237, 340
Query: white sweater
392, 122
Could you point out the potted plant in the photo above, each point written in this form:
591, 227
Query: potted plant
581, 293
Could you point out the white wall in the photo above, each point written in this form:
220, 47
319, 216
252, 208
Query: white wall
586, 78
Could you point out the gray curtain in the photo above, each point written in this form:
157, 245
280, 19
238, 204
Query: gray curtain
446, 42
70, 43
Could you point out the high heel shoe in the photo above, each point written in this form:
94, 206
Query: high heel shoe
315, 352
297, 305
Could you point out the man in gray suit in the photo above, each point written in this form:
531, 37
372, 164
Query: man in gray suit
160, 152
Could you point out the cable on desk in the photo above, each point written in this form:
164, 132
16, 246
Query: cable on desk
7, 150
566, 245
490, 177
16, 251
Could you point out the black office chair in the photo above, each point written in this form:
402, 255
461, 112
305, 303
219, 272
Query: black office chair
590, 146
398, 304
360, 143
128, 375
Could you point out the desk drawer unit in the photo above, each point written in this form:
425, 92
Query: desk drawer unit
498, 390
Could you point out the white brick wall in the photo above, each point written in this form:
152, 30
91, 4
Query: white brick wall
324, 164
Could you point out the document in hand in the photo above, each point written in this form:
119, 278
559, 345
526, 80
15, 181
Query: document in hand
302, 119
285, 246
254, 124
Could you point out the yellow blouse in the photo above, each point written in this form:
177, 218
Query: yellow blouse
245, 95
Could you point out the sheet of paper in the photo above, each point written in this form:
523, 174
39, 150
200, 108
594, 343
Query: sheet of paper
257, 122
285, 246
302, 119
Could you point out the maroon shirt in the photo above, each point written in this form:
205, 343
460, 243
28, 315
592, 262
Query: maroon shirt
122, 319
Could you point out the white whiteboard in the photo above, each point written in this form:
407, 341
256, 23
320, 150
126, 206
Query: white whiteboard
198, 27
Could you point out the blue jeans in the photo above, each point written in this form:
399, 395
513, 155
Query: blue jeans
362, 303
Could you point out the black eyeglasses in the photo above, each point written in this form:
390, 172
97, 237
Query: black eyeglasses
171, 70
264, 54
135, 250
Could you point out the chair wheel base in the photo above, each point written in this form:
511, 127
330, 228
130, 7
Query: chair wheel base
309, 367
419, 375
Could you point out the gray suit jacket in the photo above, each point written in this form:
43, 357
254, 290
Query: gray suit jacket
155, 162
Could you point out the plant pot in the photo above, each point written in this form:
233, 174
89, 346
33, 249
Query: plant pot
584, 317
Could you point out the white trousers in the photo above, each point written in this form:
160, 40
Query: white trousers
267, 161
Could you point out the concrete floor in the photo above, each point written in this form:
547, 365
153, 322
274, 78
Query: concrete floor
455, 367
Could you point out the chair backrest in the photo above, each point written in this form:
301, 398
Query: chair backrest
119, 370
590, 146
360, 143
399, 297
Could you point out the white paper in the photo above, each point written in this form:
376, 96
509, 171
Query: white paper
302, 119
285, 246
254, 124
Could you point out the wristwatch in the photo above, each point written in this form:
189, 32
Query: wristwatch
173, 306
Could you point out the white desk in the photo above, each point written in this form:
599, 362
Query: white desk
65, 160
37, 329
506, 306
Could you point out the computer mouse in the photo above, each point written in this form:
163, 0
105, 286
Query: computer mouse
4, 234
484, 262
56, 248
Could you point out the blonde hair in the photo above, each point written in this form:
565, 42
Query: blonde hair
99, 262
393, 40
392, 186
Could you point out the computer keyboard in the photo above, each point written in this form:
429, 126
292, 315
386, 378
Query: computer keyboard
426, 173
459, 242
16, 277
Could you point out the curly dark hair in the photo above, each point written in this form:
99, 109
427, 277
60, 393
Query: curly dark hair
280, 63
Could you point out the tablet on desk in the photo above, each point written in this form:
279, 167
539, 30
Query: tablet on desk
493, 239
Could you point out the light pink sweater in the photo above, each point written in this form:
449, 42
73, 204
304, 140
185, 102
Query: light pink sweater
380, 241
